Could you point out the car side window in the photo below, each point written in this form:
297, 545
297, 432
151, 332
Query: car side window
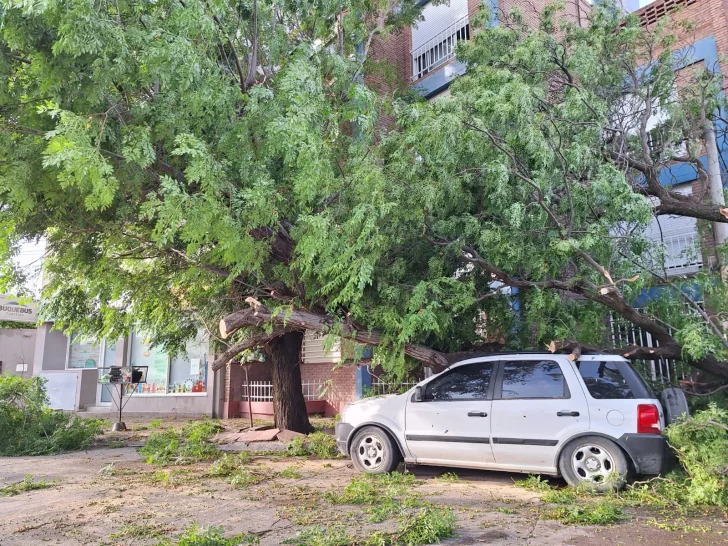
533, 379
469, 382
604, 380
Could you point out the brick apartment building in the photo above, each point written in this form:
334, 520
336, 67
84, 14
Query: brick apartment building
422, 57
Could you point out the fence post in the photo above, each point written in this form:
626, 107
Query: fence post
363, 379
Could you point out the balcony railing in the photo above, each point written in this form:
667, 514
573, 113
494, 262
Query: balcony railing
439, 49
682, 254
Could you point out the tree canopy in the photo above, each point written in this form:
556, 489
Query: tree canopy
191, 159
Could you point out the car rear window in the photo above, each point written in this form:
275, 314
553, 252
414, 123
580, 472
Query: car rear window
605, 380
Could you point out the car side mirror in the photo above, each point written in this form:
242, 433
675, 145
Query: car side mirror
419, 393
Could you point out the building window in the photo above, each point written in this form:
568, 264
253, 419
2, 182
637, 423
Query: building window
180, 374
676, 246
434, 39
83, 353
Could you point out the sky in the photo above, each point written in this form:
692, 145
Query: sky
29, 260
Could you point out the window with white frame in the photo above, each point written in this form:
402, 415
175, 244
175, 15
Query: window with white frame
180, 374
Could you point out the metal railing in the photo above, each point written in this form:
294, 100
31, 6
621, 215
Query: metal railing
682, 254
382, 387
439, 49
262, 391
663, 371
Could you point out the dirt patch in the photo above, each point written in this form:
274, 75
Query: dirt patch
109, 496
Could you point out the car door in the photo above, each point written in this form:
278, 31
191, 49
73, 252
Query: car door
451, 424
538, 404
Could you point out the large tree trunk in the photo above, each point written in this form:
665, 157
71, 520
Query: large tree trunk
289, 406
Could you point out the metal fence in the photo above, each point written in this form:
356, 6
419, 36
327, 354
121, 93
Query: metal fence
663, 371
384, 387
262, 391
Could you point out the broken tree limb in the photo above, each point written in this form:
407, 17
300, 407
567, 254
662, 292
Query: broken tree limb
250, 343
576, 349
321, 323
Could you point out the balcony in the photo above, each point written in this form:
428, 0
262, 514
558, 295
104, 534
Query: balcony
682, 254
439, 49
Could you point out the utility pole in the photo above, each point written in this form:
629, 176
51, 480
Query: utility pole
715, 182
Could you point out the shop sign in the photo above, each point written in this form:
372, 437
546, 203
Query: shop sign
12, 309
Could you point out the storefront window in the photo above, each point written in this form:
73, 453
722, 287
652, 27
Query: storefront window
83, 354
165, 375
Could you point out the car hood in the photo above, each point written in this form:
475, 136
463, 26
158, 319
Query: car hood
366, 408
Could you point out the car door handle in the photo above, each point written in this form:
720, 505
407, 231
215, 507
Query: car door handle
477, 414
566, 413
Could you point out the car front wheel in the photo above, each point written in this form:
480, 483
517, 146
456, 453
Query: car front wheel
373, 451
595, 462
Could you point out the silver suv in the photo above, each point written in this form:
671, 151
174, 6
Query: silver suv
589, 421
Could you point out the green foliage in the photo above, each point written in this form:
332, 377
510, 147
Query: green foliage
229, 463
559, 496
28, 484
449, 477
246, 477
373, 489
427, 526
189, 444
210, 536
155, 423
290, 473
170, 189
701, 444
534, 483
602, 512
29, 427
317, 444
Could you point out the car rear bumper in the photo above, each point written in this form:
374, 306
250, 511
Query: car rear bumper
649, 452
343, 431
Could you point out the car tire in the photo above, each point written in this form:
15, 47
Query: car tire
594, 462
675, 404
373, 451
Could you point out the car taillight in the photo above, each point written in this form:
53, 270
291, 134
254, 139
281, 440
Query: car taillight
648, 419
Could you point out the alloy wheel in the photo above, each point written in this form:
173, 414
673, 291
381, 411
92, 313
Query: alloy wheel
592, 463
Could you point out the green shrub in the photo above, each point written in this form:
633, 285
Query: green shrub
701, 444
155, 423
187, 445
29, 427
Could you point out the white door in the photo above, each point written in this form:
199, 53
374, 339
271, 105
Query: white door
538, 404
451, 425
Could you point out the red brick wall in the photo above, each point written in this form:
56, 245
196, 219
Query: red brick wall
342, 388
709, 17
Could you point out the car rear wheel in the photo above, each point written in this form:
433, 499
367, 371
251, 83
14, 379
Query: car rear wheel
675, 404
594, 462
373, 451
